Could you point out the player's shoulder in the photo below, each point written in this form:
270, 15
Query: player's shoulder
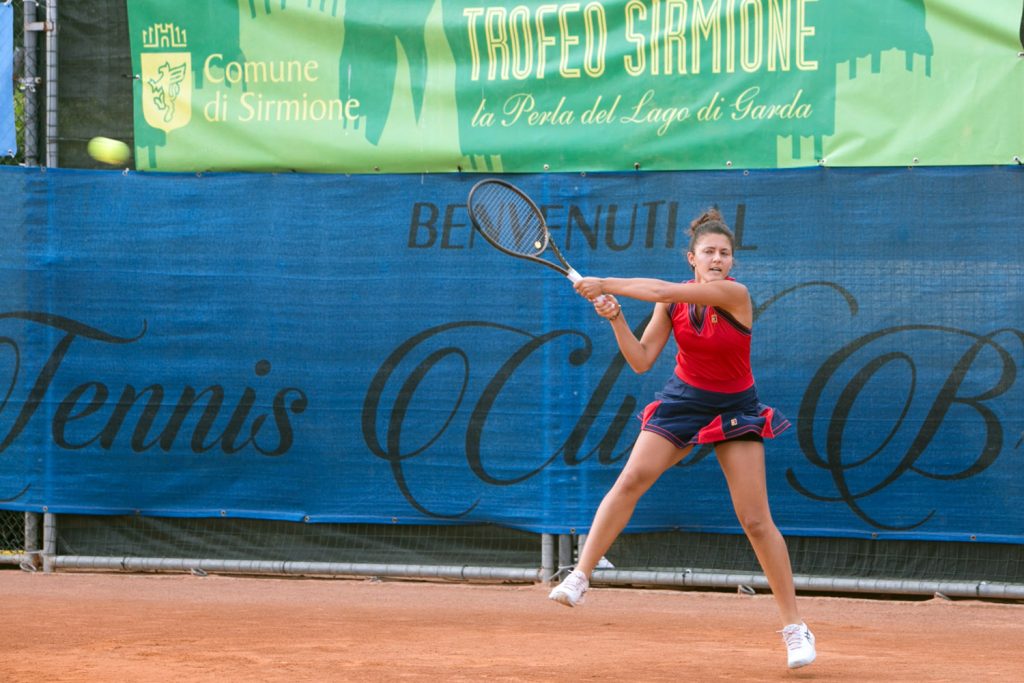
733, 282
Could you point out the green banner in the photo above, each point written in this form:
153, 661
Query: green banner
365, 86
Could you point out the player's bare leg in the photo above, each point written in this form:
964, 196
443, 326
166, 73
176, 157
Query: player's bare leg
744, 468
651, 456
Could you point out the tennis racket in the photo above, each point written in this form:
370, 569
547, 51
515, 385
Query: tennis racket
513, 224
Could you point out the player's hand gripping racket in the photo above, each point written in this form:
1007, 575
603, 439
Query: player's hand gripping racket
510, 221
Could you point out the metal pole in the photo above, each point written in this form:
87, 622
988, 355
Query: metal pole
828, 584
565, 554
200, 566
672, 578
51, 83
49, 541
32, 540
548, 570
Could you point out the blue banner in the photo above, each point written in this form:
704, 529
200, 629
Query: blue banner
345, 349
8, 140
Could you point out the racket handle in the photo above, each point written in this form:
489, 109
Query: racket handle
575, 277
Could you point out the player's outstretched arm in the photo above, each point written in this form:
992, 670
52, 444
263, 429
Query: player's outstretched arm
724, 293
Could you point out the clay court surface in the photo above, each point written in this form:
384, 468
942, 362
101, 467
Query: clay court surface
141, 627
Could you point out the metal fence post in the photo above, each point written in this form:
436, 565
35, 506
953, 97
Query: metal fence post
548, 570
565, 553
49, 541
31, 561
30, 81
51, 83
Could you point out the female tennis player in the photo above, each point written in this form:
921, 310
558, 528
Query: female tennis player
710, 398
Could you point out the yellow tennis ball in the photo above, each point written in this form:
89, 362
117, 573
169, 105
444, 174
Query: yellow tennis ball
108, 151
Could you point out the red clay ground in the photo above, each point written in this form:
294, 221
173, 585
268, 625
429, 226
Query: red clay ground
139, 627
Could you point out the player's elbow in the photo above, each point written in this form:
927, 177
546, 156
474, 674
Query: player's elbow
639, 365
639, 357
664, 294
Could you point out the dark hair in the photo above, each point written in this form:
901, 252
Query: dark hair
709, 223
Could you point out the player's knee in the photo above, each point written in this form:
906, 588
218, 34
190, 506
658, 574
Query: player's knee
633, 483
756, 525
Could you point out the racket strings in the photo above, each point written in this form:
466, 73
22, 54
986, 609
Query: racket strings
509, 220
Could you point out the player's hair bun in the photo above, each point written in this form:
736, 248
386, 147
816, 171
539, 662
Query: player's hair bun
709, 216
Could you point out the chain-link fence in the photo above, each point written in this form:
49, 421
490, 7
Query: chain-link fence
27, 84
12, 523
6, 158
12, 533
55, 120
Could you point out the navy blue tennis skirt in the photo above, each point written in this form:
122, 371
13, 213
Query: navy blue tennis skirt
686, 415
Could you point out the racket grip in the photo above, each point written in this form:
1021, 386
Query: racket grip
575, 277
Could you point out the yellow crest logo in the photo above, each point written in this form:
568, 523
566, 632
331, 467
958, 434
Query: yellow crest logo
166, 77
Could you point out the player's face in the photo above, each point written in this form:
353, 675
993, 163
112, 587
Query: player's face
711, 258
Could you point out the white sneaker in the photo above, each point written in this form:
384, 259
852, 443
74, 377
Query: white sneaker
570, 591
799, 644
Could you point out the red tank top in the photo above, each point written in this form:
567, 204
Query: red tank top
714, 352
